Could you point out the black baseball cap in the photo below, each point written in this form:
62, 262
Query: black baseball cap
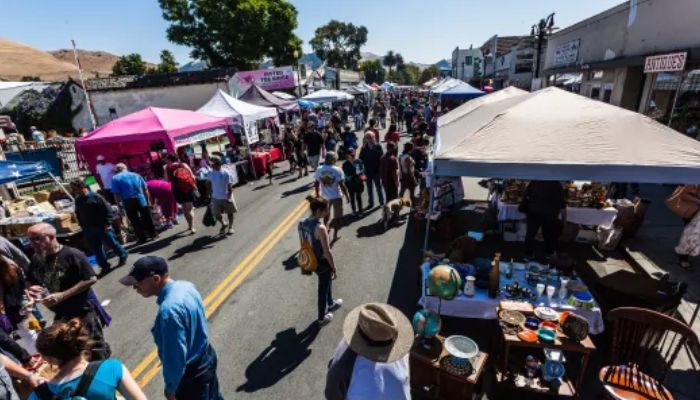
143, 268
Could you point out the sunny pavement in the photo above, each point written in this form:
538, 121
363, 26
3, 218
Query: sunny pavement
264, 334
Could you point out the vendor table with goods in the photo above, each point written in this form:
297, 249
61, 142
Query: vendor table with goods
481, 306
260, 159
576, 215
27, 211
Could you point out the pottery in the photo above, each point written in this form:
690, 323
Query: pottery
546, 335
528, 336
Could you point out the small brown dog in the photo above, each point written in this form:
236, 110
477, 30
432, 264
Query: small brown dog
392, 209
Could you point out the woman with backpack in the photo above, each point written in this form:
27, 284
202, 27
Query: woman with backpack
313, 235
354, 171
184, 186
64, 344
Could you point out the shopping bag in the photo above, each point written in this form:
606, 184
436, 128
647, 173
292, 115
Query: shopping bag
208, 219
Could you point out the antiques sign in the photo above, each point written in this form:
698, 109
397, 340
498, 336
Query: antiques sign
665, 63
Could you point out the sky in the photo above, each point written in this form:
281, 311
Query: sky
424, 31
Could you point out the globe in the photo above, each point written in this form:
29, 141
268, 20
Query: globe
444, 282
426, 323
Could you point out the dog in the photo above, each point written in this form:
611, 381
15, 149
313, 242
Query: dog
392, 209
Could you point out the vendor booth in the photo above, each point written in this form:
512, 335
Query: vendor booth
462, 91
445, 85
470, 106
261, 97
328, 96
245, 115
134, 137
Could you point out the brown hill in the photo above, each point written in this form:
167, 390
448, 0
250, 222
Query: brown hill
19, 60
95, 63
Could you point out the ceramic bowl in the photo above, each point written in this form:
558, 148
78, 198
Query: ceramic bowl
546, 335
549, 325
532, 323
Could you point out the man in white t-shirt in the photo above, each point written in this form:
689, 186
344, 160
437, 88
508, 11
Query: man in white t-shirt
329, 182
105, 172
221, 193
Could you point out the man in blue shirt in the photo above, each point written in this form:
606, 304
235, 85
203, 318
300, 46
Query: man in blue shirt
180, 331
130, 190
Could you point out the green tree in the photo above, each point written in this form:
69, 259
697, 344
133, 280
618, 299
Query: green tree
400, 63
373, 70
234, 33
389, 60
339, 43
408, 74
130, 64
167, 62
428, 74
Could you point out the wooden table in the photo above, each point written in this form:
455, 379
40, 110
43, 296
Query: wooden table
432, 380
510, 372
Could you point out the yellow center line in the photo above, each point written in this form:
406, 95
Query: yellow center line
244, 267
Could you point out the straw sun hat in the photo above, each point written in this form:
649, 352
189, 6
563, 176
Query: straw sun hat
378, 332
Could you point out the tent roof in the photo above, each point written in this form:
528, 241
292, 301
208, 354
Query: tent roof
152, 123
461, 90
284, 96
261, 97
447, 84
552, 134
472, 105
224, 105
327, 95
11, 171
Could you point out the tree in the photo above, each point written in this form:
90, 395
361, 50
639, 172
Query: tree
408, 74
400, 63
234, 33
167, 62
373, 70
428, 74
389, 60
130, 64
339, 43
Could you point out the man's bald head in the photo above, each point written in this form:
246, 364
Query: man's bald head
41, 228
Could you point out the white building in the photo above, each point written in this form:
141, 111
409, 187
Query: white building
467, 63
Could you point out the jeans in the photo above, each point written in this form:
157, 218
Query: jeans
97, 238
140, 219
550, 231
199, 381
373, 182
355, 199
325, 298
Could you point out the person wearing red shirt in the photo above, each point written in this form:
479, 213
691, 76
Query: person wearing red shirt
392, 135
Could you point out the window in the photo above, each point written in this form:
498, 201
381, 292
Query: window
468, 60
112, 113
606, 95
596, 75
595, 93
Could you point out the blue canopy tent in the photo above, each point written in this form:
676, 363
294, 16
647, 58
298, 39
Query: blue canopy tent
12, 171
463, 91
305, 104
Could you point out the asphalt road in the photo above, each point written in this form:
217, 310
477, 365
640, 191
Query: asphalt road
264, 331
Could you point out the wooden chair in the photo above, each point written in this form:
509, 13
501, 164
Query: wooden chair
645, 344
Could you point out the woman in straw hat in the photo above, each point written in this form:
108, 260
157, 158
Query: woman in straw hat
371, 361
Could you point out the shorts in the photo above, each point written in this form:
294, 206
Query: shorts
336, 207
184, 197
313, 161
219, 206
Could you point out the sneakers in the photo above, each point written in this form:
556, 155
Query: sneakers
326, 319
223, 229
337, 303
122, 261
230, 231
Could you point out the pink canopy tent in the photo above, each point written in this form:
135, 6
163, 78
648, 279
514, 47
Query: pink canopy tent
136, 133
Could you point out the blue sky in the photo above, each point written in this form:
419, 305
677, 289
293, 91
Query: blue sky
422, 30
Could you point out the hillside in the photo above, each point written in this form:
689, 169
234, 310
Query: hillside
19, 60
95, 63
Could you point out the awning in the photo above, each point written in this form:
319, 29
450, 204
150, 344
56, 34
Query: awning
12, 171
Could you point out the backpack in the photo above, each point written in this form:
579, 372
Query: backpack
307, 257
183, 180
80, 393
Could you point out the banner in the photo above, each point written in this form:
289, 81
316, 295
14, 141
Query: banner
566, 53
268, 79
251, 133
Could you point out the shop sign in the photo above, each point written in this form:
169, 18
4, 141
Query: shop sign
566, 53
665, 63
268, 79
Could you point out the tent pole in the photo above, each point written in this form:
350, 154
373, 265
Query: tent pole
63, 188
427, 221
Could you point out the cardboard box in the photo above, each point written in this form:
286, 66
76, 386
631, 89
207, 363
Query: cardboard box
42, 196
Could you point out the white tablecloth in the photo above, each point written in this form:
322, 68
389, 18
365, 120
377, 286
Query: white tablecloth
481, 306
577, 215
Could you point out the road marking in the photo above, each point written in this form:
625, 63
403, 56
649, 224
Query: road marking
223, 291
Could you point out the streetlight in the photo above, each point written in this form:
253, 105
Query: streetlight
296, 61
540, 31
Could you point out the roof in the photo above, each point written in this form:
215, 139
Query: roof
261, 97
552, 134
224, 105
503, 43
160, 80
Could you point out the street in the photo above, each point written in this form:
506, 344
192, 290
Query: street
263, 321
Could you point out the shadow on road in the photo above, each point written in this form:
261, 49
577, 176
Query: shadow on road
262, 187
153, 246
286, 352
300, 189
198, 244
405, 287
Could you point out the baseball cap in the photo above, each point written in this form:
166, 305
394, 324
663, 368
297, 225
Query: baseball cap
143, 268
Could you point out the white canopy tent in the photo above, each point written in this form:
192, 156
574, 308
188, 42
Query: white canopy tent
328, 95
472, 105
224, 105
552, 134
284, 96
445, 85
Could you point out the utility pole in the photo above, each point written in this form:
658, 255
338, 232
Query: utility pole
541, 30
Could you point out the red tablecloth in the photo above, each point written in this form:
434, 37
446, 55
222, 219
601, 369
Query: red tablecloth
260, 159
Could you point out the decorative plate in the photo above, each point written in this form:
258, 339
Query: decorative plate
512, 317
461, 347
528, 336
546, 313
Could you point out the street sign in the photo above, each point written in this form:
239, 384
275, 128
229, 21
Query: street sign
665, 63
